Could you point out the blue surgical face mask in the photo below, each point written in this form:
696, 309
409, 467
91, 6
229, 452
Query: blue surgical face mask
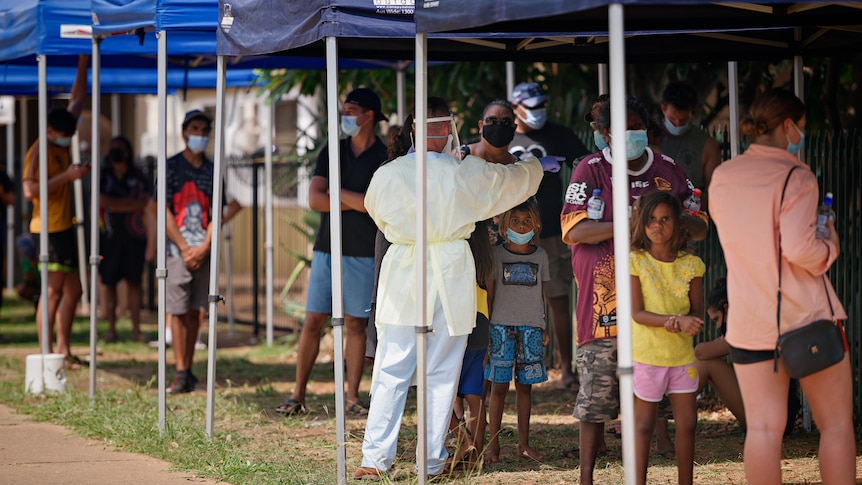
349, 126
63, 141
636, 142
535, 118
599, 140
675, 130
795, 148
518, 238
197, 144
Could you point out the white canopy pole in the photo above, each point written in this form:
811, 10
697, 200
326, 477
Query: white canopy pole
10, 209
621, 199
95, 159
214, 297
115, 116
733, 103
401, 88
335, 241
228, 277
161, 216
268, 223
603, 78
510, 79
422, 325
43, 198
78, 190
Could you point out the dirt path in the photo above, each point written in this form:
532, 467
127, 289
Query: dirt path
32, 452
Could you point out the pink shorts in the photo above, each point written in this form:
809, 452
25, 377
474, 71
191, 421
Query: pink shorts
652, 382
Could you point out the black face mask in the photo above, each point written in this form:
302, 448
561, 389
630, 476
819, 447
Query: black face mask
116, 155
498, 135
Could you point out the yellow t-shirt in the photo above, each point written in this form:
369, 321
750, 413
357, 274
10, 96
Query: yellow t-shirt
665, 288
59, 203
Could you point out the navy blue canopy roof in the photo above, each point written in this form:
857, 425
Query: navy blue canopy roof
555, 29
547, 30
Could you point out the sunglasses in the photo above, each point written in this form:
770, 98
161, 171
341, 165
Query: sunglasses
493, 120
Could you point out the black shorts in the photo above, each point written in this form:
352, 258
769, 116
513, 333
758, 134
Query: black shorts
743, 356
62, 250
122, 259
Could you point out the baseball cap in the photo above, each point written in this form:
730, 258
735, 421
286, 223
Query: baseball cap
196, 114
528, 94
367, 99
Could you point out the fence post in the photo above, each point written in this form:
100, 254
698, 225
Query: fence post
255, 243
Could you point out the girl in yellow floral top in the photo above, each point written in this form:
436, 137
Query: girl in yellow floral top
667, 301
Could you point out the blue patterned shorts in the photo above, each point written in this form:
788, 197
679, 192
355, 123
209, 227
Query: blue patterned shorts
517, 348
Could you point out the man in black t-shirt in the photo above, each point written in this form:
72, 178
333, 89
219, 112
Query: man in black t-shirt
189, 192
360, 155
535, 135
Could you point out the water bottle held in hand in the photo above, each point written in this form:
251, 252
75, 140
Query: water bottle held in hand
824, 212
596, 206
692, 204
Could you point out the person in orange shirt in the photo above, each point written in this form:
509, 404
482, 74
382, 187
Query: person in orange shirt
758, 231
64, 284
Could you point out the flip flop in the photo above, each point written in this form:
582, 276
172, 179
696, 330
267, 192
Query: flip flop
291, 407
359, 408
74, 362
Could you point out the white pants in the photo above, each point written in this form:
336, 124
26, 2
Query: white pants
395, 365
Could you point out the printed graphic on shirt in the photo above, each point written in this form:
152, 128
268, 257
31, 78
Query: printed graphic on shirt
604, 299
535, 149
523, 274
193, 216
576, 193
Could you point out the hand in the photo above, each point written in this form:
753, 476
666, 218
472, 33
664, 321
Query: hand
689, 324
833, 234
77, 172
671, 324
546, 339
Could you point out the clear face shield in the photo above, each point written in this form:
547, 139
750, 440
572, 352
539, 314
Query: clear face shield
453, 142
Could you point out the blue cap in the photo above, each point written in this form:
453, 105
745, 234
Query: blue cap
528, 94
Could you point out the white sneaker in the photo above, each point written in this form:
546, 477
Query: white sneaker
199, 345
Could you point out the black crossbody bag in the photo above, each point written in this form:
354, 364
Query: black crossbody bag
815, 346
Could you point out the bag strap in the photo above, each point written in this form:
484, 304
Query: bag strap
778, 309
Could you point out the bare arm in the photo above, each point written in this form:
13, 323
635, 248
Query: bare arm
590, 232
30, 184
232, 208
126, 204
79, 87
712, 349
691, 323
318, 196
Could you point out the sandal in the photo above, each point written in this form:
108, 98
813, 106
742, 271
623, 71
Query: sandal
359, 408
291, 407
74, 362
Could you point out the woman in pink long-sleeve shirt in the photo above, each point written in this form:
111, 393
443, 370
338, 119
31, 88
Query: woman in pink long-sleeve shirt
745, 205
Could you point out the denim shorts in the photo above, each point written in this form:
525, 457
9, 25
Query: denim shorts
519, 349
357, 282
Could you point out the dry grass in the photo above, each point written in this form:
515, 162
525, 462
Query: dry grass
252, 381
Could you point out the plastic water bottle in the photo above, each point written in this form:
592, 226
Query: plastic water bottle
692, 204
824, 212
596, 206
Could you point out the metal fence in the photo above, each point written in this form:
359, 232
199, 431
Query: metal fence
836, 160
242, 259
